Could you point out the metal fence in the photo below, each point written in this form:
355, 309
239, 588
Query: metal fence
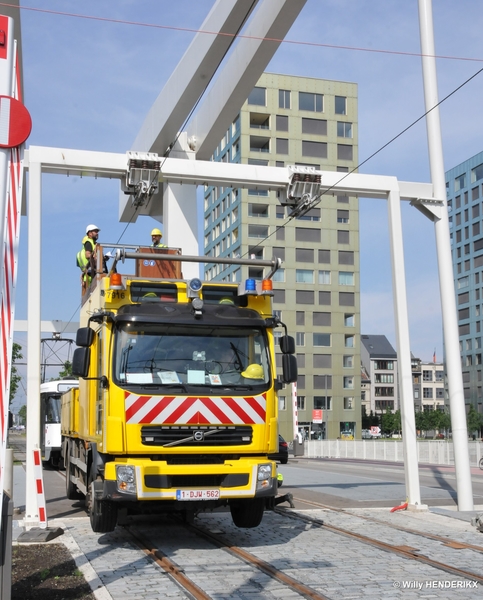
432, 452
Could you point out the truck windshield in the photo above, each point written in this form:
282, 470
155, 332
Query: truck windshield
167, 355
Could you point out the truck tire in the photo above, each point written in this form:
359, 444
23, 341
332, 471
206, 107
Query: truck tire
102, 513
247, 513
71, 490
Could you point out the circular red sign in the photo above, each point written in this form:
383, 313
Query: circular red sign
15, 122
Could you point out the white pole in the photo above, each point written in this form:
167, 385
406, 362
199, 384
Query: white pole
443, 248
33, 351
408, 423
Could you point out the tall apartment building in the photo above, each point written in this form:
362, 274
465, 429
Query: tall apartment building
464, 193
290, 120
379, 361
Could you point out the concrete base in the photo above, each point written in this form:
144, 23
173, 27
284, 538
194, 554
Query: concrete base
36, 535
417, 507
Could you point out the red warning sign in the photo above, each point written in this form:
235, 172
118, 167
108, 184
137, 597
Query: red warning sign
15, 122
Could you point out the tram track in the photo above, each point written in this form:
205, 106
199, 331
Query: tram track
444, 540
403, 551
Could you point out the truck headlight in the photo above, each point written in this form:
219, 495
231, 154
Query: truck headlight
126, 478
264, 476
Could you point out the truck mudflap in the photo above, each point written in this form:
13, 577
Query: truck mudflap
146, 485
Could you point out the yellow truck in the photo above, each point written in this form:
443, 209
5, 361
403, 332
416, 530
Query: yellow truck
177, 406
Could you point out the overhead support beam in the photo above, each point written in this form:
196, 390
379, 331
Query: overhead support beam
193, 73
181, 171
242, 70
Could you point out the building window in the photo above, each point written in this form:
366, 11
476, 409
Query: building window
300, 338
322, 402
343, 237
304, 234
321, 361
340, 105
384, 391
300, 317
321, 339
324, 298
282, 403
346, 278
459, 182
314, 149
258, 231
349, 320
346, 299
344, 129
321, 319
427, 375
346, 257
314, 126
349, 341
282, 146
342, 216
324, 277
258, 96
281, 123
384, 365
348, 382
279, 275
348, 402
284, 98
322, 382
301, 402
304, 255
257, 210
312, 102
324, 256
344, 152
304, 276
384, 378
348, 361
427, 392
304, 297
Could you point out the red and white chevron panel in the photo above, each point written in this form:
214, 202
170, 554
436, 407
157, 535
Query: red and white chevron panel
195, 410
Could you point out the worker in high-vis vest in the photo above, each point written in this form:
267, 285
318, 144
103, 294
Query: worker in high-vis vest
86, 257
156, 236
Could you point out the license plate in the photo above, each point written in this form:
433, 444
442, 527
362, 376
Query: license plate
197, 494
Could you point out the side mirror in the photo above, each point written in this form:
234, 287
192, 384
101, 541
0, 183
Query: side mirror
287, 344
289, 368
80, 361
84, 337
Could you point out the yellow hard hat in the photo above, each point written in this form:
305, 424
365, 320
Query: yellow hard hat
253, 371
226, 301
156, 231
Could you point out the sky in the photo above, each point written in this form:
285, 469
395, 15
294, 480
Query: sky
89, 83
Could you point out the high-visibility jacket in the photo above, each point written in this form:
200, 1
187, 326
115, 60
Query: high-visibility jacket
82, 260
160, 245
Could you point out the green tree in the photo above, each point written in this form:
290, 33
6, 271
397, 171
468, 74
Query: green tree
15, 378
421, 421
387, 421
397, 421
67, 370
22, 413
473, 420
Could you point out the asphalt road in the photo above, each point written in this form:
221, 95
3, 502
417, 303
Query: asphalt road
339, 483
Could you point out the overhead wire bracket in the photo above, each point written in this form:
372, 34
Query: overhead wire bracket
141, 179
303, 190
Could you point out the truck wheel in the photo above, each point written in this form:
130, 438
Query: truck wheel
71, 490
247, 513
102, 513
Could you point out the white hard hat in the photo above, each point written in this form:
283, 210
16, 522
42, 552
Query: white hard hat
91, 227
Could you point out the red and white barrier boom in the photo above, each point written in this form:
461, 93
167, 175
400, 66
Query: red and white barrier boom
15, 127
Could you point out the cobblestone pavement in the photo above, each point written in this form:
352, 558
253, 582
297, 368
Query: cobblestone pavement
334, 565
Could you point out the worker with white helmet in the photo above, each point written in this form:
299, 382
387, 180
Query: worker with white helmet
86, 257
156, 236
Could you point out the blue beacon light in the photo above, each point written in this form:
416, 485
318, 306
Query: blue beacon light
250, 285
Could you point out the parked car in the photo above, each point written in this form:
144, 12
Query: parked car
282, 454
366, 434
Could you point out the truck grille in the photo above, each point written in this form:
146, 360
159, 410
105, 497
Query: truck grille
196, 436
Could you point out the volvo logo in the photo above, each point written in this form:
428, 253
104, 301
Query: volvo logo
198, 436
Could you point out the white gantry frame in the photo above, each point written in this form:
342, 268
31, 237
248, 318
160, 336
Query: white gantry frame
190, 173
